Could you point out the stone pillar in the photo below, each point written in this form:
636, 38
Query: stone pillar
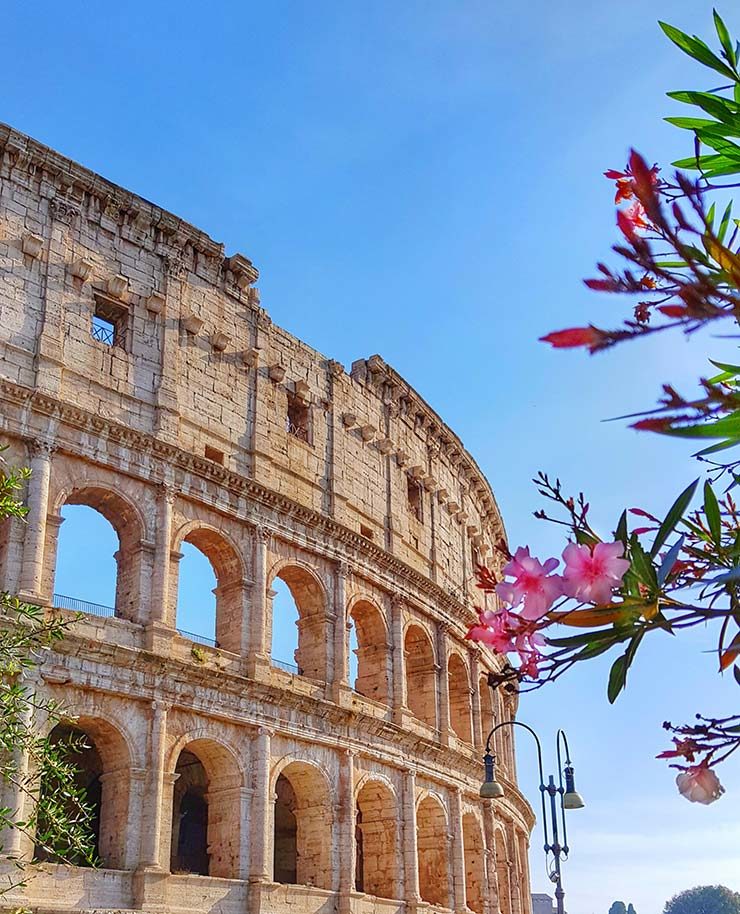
489, 829
340, 680
443, 685
259, 649
160, 626
346, 828
32, 569
399, 672
517, 902
478, 734
151, 845
260, 817
459, 893
410, 849
14, 843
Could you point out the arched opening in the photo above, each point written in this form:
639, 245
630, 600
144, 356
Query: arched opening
98, 567
474, 862
302, 827
372, 675
302, 606
432, 843
206, 812
486, 707
459, 692
210, 591
101, 759
502, 874
421, 690
376, 841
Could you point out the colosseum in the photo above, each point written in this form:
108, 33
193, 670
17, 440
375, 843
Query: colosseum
142, 378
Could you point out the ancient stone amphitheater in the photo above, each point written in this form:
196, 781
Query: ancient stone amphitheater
141, 377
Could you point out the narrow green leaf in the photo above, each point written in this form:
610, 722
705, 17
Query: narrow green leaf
736, 673
669, 561
724, 38
720, 108
621, 532
726, 366
677, 511
726, 427
714, 448
711, 512
641, 565
710, 218
721, 144
696, 48
725, 223
617, 678
702, 163
689, 123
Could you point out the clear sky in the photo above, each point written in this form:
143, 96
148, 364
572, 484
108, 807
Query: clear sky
423, 180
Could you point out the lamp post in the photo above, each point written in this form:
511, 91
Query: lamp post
569, 799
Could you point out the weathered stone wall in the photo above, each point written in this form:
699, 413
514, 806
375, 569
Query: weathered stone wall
198, 420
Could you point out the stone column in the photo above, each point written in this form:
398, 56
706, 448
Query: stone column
340, 680
259, 649
517, 903
443, 685
459, 893
346, 828
478, 734
160, 626
399, 672
489, 830
14, 843
260, 817
152, 820
410, 849
32, 569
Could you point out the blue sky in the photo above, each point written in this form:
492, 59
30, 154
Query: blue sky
423, 180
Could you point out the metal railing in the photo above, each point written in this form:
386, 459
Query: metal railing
201, 639
60, 601
103, 333
288, 667
298, 431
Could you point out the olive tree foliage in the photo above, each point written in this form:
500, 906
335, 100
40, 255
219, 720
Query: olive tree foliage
704, 899
619, 907
42, 803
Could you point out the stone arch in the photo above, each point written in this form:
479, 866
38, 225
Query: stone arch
228, 568
458, 683
376, 838
502, 872
432, 847
421, 685
373, 653
132, 557
104, 771
302, 825
474, 853
206, 832
314, 631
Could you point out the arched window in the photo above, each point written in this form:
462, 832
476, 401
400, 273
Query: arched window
376, 841
305, 607
459, 691
421, 688
302, 827
206, 813
474, 862
98, 566
101, 758
432, 844
372, 675
222, 623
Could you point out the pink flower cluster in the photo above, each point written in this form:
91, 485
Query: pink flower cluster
699, 784
589, 576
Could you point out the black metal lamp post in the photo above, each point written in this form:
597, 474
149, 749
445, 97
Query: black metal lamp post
569, 799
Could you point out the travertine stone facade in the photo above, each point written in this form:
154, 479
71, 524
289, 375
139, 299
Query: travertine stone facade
140, 376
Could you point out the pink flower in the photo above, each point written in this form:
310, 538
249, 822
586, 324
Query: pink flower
496, 629
699, 784
534, 586
591, 576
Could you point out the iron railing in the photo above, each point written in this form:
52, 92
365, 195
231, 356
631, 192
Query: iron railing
103, 333
298, 431
288, 667
60, 601
201, 639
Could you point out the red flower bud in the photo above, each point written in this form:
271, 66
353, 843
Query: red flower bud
576, 336
673, 310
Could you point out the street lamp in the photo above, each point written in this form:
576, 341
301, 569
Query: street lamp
491, 789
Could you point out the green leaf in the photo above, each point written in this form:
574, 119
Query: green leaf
621, 532
721, 109
711, 512
726, 366
710, 218
641, 566
714, 448
701, 163
696, 48
724, 224
715, 140
724, 38
726, 427
678, 509
689, 123
617, 678
669, 561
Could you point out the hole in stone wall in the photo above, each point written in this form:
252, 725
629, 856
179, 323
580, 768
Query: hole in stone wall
86, 568
459, 691
285, 617
298, 419
416, 502
212, 453
285, 858
432, 851
354, 650
109, 322
189, 850
420, 675
366, 532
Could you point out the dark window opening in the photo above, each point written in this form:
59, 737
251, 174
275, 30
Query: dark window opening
285, 857
298, 419
109, 321
359, 855
366, 532
189, 850
214, 454
416, 505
